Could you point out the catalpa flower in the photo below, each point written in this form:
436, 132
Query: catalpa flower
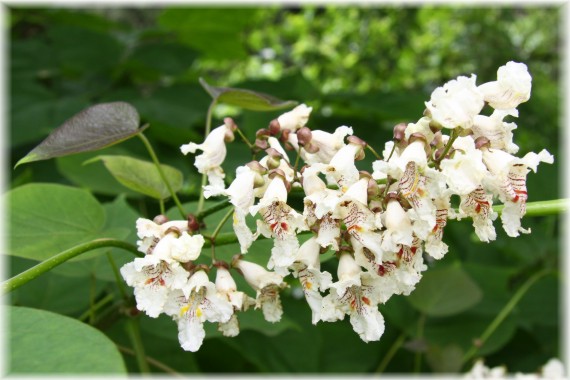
456, 103
279, 221
296, 118
307, 268
153, 280
227, 289
512, 87
464, 171
499, 133
214, 154
326, 144
194, 305
478, 205
354, 294
267, 285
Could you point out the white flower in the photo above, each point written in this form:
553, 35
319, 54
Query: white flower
214, 154
227, 289
509, 182
181, 247
512, 87
456, 103
477, 205
307, 268
434, 245
354, 294
240, 191
242, 231
481, 371
413, 187
328, 144
464, 171
267, 285
553, 369
153, 280
296, 118
499, 133
360, 222
398, 227
195, 305
279, 221
341, 169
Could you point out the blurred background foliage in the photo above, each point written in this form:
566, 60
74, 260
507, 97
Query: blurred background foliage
368, 66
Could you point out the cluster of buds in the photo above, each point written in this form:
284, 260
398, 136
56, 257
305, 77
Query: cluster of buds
382, 226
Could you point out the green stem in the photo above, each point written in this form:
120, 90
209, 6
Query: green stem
390, 354
217, 231
161, 173
118, 277
92, 290
504, 313
133, 329
204, 176
47, 265
542, 208
158, 364
244, 138
454, 135
215, 208
162, 209
374, 152
97, 306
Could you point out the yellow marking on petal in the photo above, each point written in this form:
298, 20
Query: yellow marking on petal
198, 312
184, 309
236, 221
308, 285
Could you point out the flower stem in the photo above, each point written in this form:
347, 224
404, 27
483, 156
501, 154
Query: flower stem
95, 307
161, 173
217, 231
154, 362
390, 354
205, 176
504, 313
373, 151
542, 208
419, 337
244, 138
133, 330
118, 278
47, 265
454, 135
215, 208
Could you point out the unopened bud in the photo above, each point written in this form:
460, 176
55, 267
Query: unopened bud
482, 142
285, 135
438, 153
304, 136
193, 224
221, 264
273, 153
160, 219
311, 148
261, 144
417, 136
229, 136
262, 134
360, 155
437, 140
257, 167
274, 127
172, 230
400, 131
373, 189
230, 124
356, 140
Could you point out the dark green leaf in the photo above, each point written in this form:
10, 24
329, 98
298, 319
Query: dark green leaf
447, 359
445, 291
46, 219
42, 342
142, 176
94, 128
247, 99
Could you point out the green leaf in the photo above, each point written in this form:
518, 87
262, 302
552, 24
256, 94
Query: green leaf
445, 291
94, 128
247, 99
142, 176
43, 342
445, 359
46, 219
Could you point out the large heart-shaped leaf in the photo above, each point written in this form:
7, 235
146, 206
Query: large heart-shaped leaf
94, 128
45, 219
445, 291
45, 342
247, 99
142, 176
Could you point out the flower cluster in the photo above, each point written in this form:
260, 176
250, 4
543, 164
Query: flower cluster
380, 225
553, 369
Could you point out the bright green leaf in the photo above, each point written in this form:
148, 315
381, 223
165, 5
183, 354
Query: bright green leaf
42, 342
46, 219
445, 291
247, 99
94, 128
142, 176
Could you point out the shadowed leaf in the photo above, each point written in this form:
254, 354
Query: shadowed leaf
247, 99
94, 128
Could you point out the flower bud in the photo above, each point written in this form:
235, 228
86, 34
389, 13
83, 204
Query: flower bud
347, 267
224, 282
160, 219
399, 131
262, 134
274, 127
482, 142
193, 224
230, 124
304, 136
261, 144
352, 139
